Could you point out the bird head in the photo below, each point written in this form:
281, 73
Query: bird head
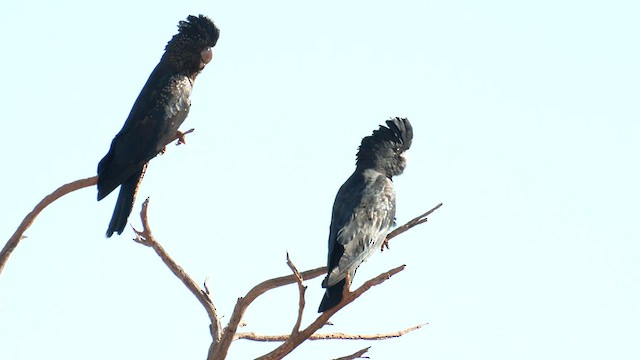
189, 51
384, 150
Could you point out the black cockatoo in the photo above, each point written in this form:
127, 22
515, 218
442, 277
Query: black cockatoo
161, 107
365, 206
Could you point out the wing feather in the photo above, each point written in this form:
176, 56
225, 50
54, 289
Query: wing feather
366, 228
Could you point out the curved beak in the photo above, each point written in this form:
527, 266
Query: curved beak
205, 57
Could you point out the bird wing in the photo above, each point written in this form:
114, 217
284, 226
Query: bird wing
363, 214
161, 107
159, 110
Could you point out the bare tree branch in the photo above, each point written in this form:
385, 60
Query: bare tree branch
220, 350
329, 336
146, 238
222, 339
356, 355
348, 297
301, 290
411, 223
18, 235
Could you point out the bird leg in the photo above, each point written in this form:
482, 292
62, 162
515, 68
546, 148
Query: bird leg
347, 285
385, 244
180, 136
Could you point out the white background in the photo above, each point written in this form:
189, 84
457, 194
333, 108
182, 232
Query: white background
526, 124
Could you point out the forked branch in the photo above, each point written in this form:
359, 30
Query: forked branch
348, 297
220, 350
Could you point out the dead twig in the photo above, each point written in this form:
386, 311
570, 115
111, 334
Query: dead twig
18, 235
301, 290
356, 355
146, 238
422, 218
328, 336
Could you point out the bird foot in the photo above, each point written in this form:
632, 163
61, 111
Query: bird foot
180, 136
385, 245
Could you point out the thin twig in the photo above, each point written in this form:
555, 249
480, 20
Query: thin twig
356, 355
18, 235
328, 336
145, 237
411, 223
294, 341
301, 291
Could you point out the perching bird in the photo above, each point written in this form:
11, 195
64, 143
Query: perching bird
161, 107
365, 206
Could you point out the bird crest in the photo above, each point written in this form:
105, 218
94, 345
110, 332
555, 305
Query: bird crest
185, 49
198, 30
386, 143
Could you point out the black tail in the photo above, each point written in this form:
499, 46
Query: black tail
332, 296
126, 198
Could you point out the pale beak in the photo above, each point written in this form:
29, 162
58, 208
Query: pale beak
205, 57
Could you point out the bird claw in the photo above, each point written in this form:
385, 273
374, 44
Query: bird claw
181, 136
385, 244
182, 139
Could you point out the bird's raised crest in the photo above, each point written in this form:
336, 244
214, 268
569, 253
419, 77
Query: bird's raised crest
198, 29
401, 128
385, 141
399, 133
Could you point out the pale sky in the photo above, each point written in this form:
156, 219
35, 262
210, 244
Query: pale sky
526, 124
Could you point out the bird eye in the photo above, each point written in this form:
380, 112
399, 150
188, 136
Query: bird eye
206, 55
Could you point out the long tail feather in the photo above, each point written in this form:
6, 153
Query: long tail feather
126, 198
332, 296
